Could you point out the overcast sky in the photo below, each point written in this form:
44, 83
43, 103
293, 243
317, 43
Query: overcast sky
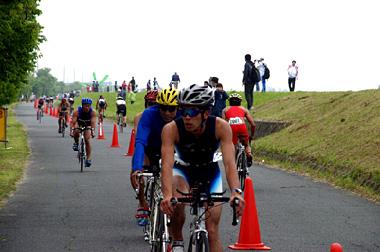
335, 42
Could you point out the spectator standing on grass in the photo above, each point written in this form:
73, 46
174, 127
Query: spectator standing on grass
293, 75
248, 80
148, 86
133, 83
155, 84
175, 80
261, 67
115, 86
220, 100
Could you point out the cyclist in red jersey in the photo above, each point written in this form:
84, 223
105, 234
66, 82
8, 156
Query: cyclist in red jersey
235, 115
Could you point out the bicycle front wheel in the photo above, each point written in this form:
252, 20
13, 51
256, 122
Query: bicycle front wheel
81, 155
199, 242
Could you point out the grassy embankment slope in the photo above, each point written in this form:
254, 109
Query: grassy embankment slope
14, 158
334, 136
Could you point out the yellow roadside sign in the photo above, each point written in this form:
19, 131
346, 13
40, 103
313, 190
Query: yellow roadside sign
3, 124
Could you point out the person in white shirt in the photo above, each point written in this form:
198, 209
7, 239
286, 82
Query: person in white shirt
261, 68
293, 75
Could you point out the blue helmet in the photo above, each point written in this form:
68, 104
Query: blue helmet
86, 101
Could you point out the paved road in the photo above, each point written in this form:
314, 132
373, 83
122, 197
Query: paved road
57, 208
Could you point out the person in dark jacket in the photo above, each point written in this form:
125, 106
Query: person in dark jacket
248, 81
220, 100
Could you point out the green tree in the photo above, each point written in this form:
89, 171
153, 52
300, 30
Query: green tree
45, 84
20, 35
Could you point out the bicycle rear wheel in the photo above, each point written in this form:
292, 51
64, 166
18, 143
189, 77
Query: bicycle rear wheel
63, 127
242, 169
120, 123
81, 155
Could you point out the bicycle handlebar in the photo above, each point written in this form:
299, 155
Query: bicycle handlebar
213, 197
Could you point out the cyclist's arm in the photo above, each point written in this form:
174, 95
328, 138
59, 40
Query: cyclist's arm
143, 132
224, 113
74, 119
250, 121
93, 120
136, 121
168, 136
224, 133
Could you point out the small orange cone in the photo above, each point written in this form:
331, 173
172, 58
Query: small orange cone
51, 111
46, 110
131, 148
35, 103
115, 137
56, 112
249, 236
101, 132
336, 247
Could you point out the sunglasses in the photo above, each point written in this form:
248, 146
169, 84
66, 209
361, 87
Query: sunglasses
151, 104
167, 108
191, 112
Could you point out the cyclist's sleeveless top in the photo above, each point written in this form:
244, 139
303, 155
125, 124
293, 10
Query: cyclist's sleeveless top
64, 107
102, 103
235, 116
197, 151
84, 119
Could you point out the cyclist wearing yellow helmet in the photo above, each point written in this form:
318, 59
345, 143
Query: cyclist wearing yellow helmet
148, 142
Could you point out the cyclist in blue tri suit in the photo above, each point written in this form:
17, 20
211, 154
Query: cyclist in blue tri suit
85, 116
148, 142
196, 137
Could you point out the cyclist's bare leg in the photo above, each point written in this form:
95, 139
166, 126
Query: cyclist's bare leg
212, 226
179, 217
76, 136
87, 137
247, 146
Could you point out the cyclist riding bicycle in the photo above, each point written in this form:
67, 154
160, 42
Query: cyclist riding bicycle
121, 108
150, 100
84, 117
71, 102
195, 137
41, 103
235, 115
148, 143
63, 108
101, 105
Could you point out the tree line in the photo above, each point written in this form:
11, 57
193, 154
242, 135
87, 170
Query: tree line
20, 36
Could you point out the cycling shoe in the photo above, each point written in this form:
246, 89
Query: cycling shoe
87, 163
75, 147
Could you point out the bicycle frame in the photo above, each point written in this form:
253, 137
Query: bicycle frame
156, 233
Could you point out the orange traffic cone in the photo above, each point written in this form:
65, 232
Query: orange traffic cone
131, 148
249, 236
336, 247
101, 132
51, 111
115, 137
35, 103
46, 110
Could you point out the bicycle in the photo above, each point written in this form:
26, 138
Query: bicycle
63, 122
82, 146
39, 115
120, 122
101, 116
156, 232
198, 199
241, 164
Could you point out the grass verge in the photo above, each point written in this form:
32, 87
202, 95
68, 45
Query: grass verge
13, 158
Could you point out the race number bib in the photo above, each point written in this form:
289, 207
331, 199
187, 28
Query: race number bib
235, 121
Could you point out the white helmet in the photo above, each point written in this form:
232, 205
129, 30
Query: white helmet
196, 95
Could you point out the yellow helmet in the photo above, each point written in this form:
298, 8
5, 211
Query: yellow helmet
168, 97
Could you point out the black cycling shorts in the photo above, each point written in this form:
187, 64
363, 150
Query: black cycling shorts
121, 109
